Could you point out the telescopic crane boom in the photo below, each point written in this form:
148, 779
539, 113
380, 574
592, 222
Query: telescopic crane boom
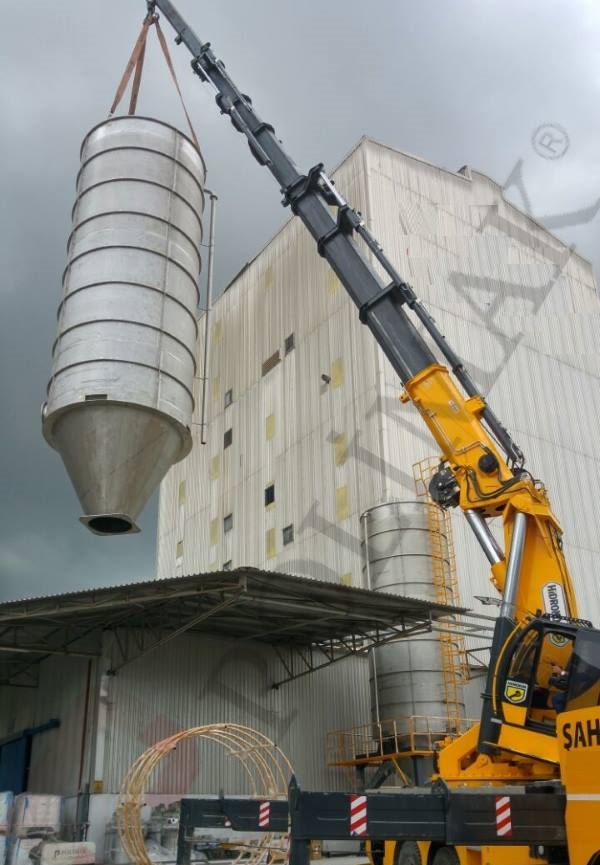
481, 469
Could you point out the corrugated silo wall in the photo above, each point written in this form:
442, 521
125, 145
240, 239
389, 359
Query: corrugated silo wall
521, 310
196, 680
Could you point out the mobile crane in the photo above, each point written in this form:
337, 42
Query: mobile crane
538, 740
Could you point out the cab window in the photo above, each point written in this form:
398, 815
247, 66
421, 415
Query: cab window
523, 661
539, 676
584, 679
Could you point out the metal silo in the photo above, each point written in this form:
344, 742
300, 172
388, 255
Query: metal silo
408, 676
120, 398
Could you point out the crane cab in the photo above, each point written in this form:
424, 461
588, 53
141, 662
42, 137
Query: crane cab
548, 667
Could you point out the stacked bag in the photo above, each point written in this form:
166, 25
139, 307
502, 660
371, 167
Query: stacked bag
6, 806
35, 818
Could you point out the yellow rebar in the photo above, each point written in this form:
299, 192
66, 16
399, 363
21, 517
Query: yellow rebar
264, 763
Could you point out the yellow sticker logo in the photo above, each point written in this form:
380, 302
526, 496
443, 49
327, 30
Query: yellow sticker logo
515, 692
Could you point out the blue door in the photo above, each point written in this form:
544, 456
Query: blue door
15, 754
14, 763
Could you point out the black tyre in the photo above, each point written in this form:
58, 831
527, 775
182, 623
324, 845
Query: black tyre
407, 853
376, 850
446, 856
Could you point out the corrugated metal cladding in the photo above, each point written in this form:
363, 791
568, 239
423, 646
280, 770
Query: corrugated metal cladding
521, 309
56, 755
290, 428
197, 680
18, 705
513, 300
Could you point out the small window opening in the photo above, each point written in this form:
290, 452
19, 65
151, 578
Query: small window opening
289, 343
288, 534
271, 362
227, 438
269, 494
228, 397
227, 565
228, 523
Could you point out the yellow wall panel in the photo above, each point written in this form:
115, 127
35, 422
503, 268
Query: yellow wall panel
215, 467
337, 372
342, 509
270, 543
270, 427
340, 449
269, 277
333, 282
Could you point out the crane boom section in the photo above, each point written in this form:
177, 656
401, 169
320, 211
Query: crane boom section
485, 484
482, 466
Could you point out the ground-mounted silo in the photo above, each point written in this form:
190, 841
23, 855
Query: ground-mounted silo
405, 553
120, 398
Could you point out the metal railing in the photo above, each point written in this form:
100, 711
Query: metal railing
380, 741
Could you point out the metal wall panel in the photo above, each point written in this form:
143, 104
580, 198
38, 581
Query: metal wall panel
56, 754
286, 290
18, 709
197, 680
513, 300
521, 310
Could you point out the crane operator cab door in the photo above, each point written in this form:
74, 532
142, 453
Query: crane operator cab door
549, 667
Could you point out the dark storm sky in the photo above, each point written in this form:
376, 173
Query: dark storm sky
453, 81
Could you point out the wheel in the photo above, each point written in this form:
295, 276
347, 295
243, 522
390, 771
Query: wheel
407, 853
446, 856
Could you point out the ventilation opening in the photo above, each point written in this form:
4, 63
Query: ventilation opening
110, 525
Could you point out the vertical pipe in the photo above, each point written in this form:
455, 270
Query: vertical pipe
370, 588
207, 307
84, 725
490, 726
513, 567
97, 763
483, 534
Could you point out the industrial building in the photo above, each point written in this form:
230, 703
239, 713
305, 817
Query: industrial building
305, 431
307, 445
92, 679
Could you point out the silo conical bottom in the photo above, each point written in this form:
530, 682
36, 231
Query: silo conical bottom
116, 455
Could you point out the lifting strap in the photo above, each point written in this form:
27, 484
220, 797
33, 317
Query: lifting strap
136, 61
135, 67
165, 49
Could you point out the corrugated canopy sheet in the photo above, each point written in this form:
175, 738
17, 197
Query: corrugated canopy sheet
247, 604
